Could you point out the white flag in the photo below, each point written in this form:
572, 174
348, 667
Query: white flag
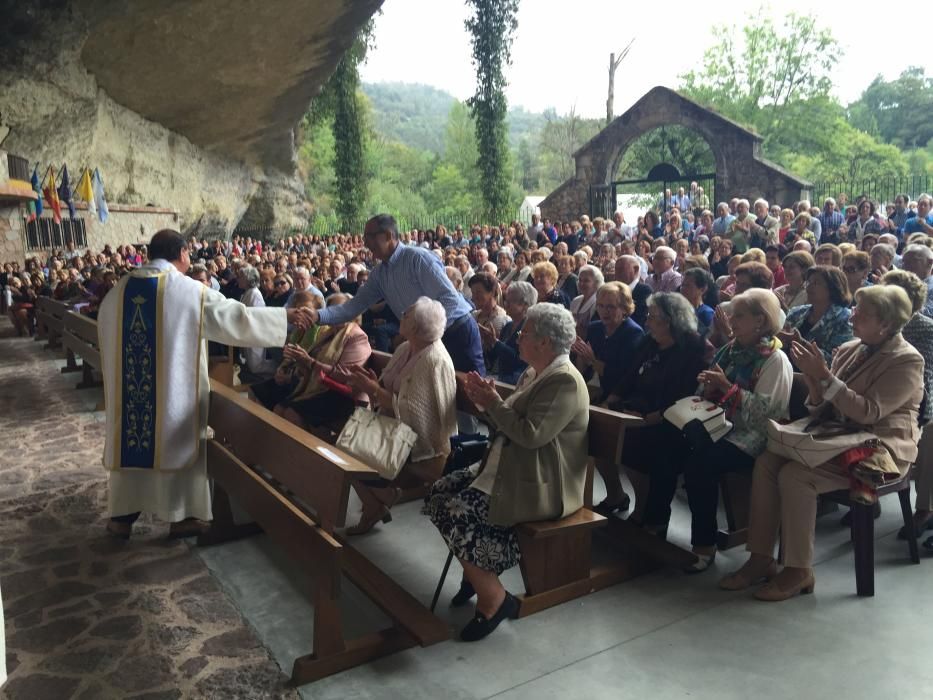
101, 203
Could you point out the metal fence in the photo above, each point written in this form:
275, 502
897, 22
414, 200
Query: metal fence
880, 190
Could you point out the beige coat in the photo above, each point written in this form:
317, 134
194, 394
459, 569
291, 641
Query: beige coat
884, 394
541, 472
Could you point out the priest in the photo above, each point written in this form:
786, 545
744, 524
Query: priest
153, 330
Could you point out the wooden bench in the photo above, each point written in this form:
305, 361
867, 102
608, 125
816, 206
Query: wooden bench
50, 320
557, 563
295, 486
79, 336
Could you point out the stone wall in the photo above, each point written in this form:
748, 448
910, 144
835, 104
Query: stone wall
125, 225
185, 105
740, 169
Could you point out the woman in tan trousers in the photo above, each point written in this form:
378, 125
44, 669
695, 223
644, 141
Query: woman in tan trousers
875, 382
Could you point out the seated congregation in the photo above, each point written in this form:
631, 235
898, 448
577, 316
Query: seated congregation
752, 311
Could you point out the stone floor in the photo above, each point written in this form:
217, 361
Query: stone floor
86, 616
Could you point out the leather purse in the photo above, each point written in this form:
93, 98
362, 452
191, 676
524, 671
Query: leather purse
813, 445
381, 442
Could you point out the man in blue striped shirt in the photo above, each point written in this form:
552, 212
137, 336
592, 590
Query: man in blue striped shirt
403, 274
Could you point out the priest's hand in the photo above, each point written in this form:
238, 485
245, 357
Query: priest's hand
303, 317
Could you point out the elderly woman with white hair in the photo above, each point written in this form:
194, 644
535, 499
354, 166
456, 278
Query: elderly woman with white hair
502, 346
751, 379
535, 468
875, 384
418, 386
583, 306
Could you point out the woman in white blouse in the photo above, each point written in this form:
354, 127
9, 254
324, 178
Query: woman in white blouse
590, 278
420, 381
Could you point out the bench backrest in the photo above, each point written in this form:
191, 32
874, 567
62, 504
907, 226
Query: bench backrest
317, 473
52, 312
80, 336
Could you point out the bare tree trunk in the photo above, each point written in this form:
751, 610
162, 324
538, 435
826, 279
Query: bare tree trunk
610, 101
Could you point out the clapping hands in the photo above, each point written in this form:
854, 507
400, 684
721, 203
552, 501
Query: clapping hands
480, 390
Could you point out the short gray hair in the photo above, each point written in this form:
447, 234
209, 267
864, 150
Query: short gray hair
251, 275
596, 272
919, 249
302, 270
678, 312
666, 252
429, 319
522, 293
885, 249
554, 323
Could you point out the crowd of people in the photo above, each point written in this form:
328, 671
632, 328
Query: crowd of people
735, 305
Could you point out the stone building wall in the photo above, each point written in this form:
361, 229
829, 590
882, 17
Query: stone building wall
132, 225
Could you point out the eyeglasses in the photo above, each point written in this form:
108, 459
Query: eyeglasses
849, 270
608, 307
281, 283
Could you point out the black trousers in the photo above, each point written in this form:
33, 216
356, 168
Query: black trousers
702, 470
659, 451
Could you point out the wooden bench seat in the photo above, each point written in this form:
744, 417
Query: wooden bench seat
50, 320
295, 486
79, 336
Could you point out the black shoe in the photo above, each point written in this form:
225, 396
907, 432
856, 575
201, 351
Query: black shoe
607, 509
928, 525
463, 596
846, 520
479, 627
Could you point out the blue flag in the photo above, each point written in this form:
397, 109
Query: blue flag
64, 192
38, 190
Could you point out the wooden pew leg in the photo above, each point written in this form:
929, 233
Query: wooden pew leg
539, 557
70, 364
223, 528
310, 668
87, 377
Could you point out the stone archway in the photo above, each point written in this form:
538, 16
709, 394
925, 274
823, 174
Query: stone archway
740, 168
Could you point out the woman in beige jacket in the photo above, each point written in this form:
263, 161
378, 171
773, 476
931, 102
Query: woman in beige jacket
535, 468
875, 384
419, 387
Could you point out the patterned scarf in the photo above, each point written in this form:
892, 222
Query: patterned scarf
742, 365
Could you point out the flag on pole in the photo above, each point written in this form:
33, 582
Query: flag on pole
64, 192
51, 196
85, 191
37, 205
98, 184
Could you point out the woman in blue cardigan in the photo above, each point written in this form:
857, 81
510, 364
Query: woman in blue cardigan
612, 341
502, 349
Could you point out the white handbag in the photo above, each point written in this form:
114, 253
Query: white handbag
381, 442
690, 408
815, 445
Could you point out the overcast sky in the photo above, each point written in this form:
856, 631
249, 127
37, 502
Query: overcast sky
560, 53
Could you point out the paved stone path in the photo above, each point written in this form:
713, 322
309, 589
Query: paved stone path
87, 616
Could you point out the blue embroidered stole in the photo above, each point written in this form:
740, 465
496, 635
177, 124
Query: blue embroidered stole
140, 325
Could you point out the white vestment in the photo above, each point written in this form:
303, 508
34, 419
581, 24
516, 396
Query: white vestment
157, 389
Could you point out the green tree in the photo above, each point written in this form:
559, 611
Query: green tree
900, 110
850, 156
681, 147
491, 27
763, 81
560, 138
349, 145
